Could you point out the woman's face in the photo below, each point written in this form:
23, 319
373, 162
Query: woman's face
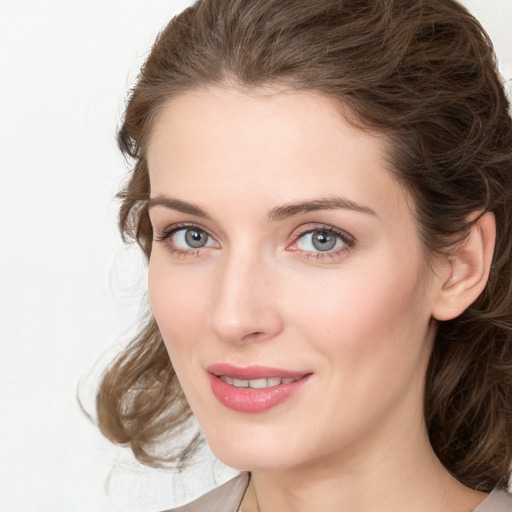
286, 278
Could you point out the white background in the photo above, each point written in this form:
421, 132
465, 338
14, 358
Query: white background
69, 293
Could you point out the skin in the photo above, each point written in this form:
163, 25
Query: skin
359, 317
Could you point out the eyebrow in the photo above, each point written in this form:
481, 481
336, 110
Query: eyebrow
329, 203
176, 204
276, 214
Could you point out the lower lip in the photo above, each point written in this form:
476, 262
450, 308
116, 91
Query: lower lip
254, 400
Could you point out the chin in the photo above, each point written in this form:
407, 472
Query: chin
253, 460
249, 452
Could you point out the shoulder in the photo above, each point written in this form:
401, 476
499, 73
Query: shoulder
225, 498
498, 501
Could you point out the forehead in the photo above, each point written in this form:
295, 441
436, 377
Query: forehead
227, 115
276, 144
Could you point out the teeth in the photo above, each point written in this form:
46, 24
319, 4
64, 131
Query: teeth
239, 383
257, 383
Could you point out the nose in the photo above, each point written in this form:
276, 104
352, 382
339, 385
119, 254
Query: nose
245, 305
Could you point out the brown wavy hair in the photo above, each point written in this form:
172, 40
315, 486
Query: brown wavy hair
422, 73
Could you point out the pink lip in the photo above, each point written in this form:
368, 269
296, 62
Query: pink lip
253, 372
254, 400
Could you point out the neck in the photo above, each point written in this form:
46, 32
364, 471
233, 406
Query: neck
373, 477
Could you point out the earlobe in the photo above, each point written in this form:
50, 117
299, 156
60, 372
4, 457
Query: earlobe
467, 269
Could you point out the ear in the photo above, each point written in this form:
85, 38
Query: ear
465, 272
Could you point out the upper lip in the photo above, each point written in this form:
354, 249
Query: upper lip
253, 372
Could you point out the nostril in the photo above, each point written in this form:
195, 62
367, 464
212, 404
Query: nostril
254, 335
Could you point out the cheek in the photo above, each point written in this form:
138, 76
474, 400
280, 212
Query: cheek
363, 317
177, 302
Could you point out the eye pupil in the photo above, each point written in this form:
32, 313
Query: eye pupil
196, 238
323, 241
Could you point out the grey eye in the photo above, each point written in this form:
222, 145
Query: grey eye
323, 241
186, 239
320, 241
195, 238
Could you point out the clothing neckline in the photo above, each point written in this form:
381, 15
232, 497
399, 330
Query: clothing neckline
493, 502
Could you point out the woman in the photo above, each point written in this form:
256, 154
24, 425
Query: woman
323, 189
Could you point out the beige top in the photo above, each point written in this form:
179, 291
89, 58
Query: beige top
227, 498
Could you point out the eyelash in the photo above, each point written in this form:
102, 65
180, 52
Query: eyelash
348, 241
169, 231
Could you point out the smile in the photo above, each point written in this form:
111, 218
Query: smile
258, 383
255, 389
